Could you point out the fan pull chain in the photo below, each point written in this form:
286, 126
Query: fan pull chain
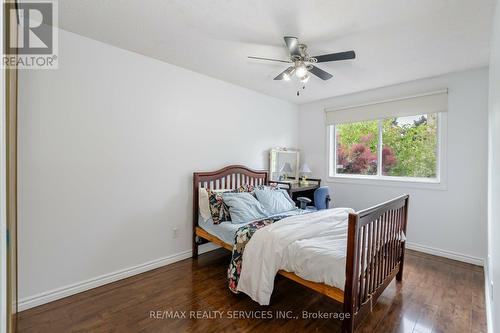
298, 91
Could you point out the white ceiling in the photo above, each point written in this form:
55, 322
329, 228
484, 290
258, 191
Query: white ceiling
395, 40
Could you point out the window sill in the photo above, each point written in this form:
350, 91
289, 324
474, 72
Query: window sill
389, 182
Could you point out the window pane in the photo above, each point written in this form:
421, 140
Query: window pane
357, 148
410, 146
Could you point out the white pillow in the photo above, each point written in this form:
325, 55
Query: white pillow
203, 204
204, 208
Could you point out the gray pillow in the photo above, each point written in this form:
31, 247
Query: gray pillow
243, 207
275, 202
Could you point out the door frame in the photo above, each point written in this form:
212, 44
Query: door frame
9, 161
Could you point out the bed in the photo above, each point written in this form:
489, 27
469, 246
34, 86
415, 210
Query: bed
368, 269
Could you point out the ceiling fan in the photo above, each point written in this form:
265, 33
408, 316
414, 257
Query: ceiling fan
303, 64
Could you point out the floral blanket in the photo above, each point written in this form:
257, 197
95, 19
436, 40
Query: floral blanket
241, 238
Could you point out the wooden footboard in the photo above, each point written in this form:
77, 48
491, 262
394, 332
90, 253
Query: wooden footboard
375, 255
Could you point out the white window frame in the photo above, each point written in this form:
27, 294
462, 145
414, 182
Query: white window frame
438, 183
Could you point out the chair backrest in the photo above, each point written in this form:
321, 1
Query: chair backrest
322, 197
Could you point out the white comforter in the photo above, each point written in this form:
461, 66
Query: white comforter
313, 246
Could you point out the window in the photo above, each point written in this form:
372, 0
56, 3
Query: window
394, 142
409, 146
391, 147
356, 145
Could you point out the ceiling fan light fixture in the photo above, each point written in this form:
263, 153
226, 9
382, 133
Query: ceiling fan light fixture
301, 63
301, 70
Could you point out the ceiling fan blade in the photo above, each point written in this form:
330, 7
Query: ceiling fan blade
283, 74
269, 59
293, 45
320, 73
336, 56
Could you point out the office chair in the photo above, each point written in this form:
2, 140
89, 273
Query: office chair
321, 199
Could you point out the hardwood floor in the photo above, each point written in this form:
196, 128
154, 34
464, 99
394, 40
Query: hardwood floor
437, 295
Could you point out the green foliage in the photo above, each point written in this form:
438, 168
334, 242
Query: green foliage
357, 148
414, 146
365, 132
409, 145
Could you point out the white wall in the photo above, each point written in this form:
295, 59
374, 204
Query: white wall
494, 180
107, 147
450, 222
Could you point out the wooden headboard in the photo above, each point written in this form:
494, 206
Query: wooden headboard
228, 178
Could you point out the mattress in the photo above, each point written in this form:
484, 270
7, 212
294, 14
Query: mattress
226, 231
313, 247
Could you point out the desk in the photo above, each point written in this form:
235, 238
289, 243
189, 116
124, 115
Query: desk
296, 190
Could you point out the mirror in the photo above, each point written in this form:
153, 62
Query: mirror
284, 165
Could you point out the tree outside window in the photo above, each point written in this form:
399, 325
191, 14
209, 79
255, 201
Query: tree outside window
408, 147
